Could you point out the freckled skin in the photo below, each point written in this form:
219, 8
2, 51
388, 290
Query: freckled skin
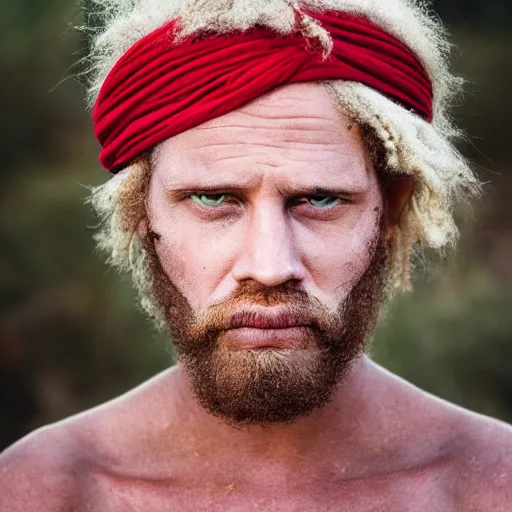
379, 445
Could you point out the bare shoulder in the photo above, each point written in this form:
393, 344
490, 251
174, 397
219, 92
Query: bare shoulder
56, 468
483, 467
471, 453
40, 472
477, 450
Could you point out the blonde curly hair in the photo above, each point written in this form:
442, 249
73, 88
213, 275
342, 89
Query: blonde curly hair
405, 143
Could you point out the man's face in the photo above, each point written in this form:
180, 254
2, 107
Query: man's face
265, 253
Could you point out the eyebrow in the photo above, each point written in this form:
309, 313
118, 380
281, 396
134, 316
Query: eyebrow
320, 191
286, 190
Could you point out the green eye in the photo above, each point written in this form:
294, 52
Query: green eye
324, 202
208, 199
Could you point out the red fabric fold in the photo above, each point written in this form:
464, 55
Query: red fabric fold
158, 89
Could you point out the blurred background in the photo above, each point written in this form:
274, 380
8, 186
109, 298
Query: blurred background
70, 336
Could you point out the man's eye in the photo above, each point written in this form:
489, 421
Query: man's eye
324, 202
208, 199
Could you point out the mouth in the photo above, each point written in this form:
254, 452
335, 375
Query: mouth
254, 338
266, 330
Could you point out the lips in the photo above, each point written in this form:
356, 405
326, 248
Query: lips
261, 320
257, 330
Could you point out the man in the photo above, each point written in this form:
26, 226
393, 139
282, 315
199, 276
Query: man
277, 164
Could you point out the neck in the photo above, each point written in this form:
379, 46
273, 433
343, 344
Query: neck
305, 441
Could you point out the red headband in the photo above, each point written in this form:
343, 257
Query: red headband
157, 89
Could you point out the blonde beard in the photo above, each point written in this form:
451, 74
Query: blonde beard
270, 386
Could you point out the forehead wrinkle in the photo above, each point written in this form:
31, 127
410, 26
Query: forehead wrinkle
248, 173
293, 119
275, 113
291, 97
277, 119
333, 161
202, 150
250, 157
228, 164
236, 134
250, 128
312, 146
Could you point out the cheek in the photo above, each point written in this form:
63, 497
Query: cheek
195, 257
192, 269
362, 235
338, 254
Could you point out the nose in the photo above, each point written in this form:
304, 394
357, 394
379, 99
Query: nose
270, 254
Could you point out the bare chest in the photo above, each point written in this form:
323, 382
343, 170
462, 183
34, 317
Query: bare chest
404, 494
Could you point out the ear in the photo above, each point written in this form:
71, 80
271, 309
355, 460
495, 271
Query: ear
397, 193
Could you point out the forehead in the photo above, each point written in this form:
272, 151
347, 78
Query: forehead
295, 133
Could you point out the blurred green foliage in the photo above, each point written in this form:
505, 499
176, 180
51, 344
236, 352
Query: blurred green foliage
70, 335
